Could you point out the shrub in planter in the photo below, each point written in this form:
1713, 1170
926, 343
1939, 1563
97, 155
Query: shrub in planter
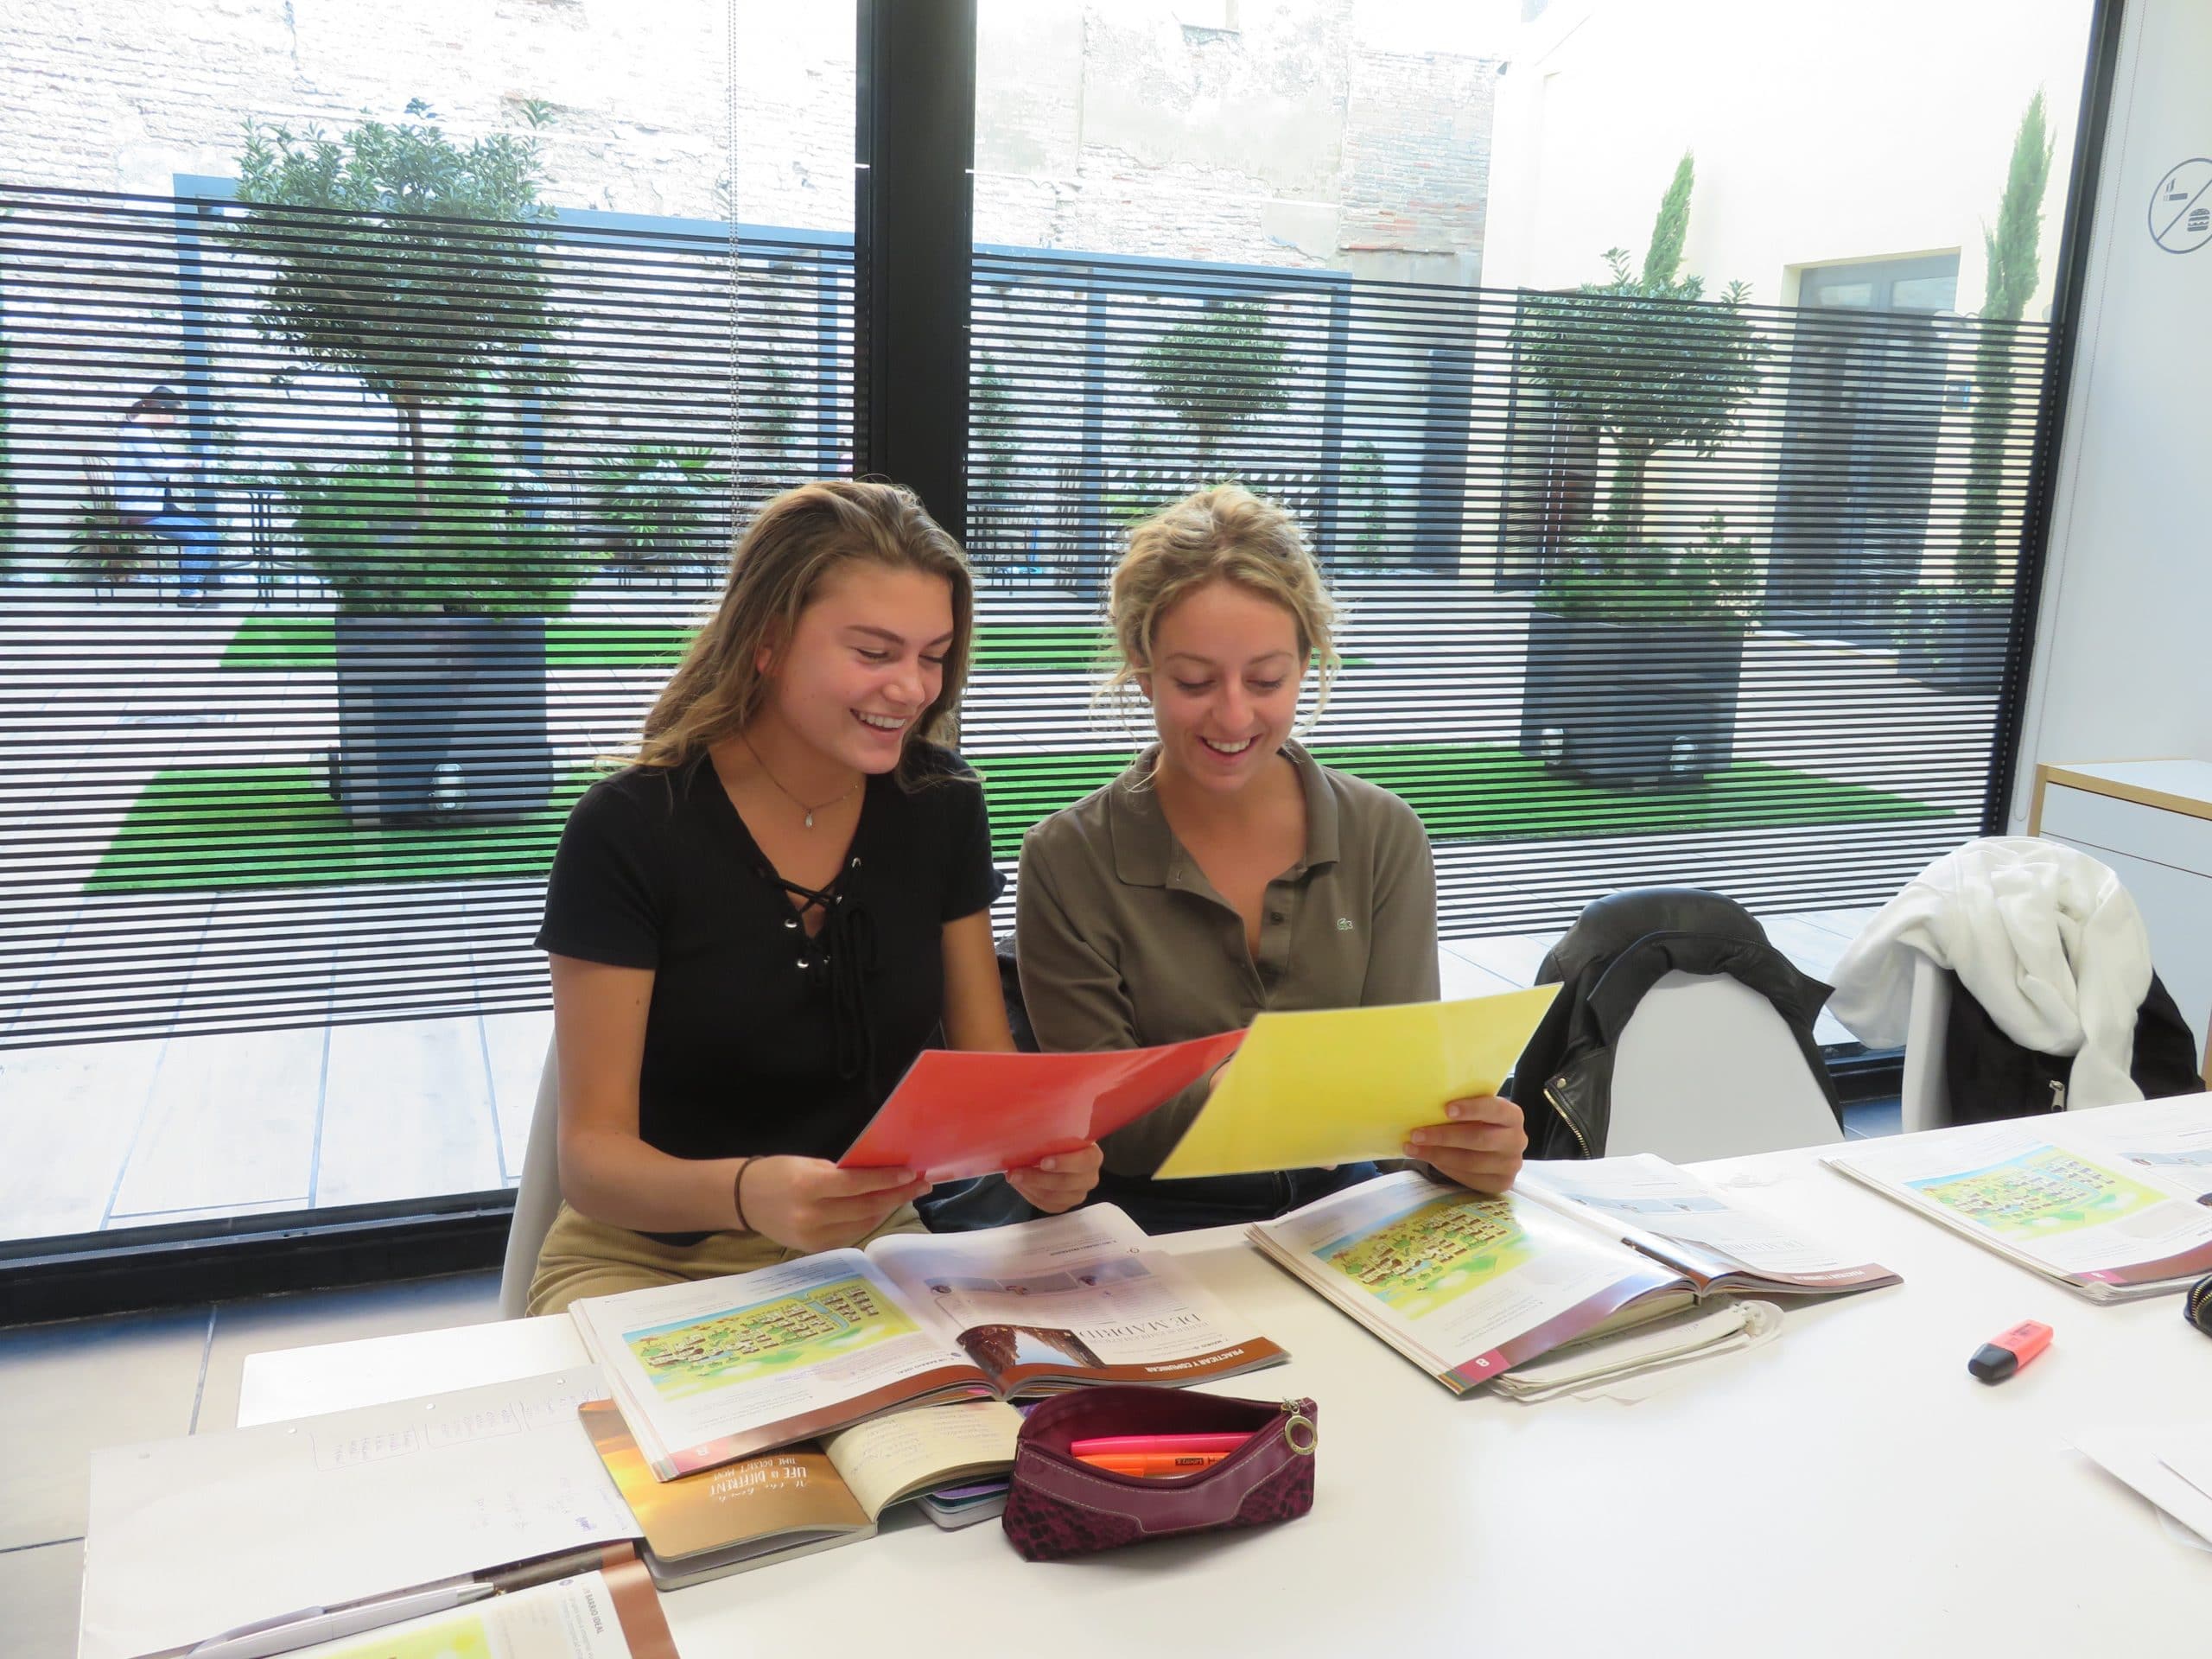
1953, 639
440, 634
664, 507
1638, 684
1635, 647
416, 264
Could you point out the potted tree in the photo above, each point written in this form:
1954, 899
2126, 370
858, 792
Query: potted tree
1950, 634
415, 265
1636, 646
1217, 372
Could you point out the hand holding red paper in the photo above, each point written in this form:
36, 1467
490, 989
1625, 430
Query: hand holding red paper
961, 1113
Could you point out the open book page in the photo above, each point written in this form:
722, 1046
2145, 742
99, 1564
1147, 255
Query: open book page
1080, 1297
2051, 1195
1466, 1286
191, 1537
711, 1371
1672, 1215
1624, 1364
610, 1614
887, 1459
769, 1504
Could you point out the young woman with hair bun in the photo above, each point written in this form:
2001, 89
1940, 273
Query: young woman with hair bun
1227, 871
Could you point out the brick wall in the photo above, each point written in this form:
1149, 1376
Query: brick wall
1287, 141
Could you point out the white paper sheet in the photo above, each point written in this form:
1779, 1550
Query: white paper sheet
1648, 1193
190, 1538
570, 1619
2142, 1458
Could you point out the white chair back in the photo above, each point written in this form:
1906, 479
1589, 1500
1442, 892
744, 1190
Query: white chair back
1706, 1069
537, 1197
1924, 1101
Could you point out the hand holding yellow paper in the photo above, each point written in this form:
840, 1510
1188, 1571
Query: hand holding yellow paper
1338, 1085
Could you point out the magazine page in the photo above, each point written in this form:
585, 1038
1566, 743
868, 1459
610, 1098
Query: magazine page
614, 1614
711, 1371
2050, 1194
2172, 1137
1081, 1297
1476, 1285
1670, 1213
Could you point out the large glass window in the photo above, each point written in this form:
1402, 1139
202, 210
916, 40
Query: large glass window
373, 404
1654, 557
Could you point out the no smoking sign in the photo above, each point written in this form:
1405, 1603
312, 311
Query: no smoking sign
2181, 207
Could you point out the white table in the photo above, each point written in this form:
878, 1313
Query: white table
1846, 1490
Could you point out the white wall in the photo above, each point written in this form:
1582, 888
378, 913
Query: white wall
2123, 666
1823, 133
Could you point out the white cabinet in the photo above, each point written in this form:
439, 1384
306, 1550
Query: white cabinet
2152, 822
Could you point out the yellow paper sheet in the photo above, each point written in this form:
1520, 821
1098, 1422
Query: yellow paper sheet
1338, 1085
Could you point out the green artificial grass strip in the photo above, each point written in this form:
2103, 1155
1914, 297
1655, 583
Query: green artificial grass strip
208, 827
269, 644
261, 826
304, 644
1476, 791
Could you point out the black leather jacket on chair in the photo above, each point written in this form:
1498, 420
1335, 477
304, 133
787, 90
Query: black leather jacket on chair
1619, 949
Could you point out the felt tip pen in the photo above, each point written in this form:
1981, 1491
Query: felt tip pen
1156, 1463
1125, 1446
2003, 1354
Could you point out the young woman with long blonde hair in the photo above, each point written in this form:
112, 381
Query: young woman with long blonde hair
1227, 871
756, 927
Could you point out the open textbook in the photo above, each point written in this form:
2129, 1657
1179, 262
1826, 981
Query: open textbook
191, 1538
2079, 1199
609, 1614
1713, 1240
2173, 1136
778, 1504
1468, 1287
710, 1372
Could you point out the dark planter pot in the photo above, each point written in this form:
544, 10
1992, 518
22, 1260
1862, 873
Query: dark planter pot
1954, 645
1630, 702
440, 718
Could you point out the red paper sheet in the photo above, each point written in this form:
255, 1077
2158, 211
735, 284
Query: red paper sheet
956, 1113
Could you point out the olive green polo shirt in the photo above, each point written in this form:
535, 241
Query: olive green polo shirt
1123, 943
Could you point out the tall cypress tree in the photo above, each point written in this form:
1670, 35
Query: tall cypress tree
2013, 249
1671, 228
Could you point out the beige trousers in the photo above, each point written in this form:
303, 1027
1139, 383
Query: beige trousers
583, 1257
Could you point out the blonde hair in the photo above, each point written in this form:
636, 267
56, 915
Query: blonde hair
1222, 534
796, 542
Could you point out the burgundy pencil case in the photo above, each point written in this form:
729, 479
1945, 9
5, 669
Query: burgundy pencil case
1058, 1507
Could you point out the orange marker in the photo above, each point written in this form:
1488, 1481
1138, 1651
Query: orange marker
2002, 1355
1152, 1464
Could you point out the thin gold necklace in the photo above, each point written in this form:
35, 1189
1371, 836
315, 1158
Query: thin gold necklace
795, 801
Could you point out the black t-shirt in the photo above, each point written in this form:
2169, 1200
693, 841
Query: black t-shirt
760, 1038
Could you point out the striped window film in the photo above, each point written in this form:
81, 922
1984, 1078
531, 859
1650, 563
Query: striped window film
1795, 704
1636, 590
330, 792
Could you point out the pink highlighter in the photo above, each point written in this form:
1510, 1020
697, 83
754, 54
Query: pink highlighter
1131, 1445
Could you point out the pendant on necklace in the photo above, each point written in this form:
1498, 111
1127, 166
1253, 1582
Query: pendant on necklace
809, 820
